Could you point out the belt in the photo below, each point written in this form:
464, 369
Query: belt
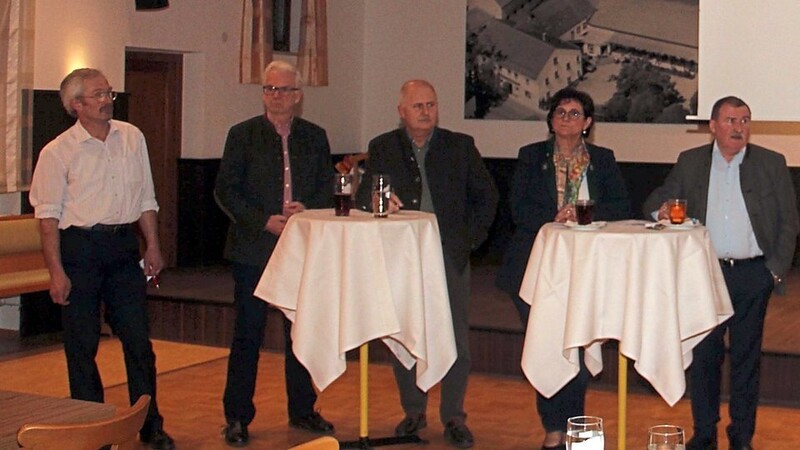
730, 262
113, 229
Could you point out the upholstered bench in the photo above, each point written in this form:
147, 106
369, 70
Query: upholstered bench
22, 267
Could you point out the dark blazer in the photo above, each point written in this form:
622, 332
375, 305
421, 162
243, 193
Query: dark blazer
534, 201
768, 196
463, 193
249, 186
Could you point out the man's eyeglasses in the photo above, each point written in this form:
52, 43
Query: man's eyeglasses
572, 114
283, 90
102, 95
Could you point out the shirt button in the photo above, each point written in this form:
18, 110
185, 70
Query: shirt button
415, 201
416, 179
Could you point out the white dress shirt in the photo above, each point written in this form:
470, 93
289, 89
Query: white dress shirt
83, 181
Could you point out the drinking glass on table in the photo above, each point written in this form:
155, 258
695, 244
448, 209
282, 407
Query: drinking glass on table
676, 210
584, 210
342, 193
585, 433
665, 437
381, 194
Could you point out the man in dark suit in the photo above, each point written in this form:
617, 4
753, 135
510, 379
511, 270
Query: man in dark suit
274, 165
744, 194
438, 171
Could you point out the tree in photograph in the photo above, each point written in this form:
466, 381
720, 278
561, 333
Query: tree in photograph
644, 94
481, 82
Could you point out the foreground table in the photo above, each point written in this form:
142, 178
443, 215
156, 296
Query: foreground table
658, 292
344, 281
19, 409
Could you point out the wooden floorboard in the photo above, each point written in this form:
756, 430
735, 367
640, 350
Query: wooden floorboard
501, 411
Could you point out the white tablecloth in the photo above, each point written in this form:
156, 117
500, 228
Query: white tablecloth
344, 281
657, 292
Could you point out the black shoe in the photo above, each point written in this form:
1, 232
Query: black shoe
236, 434
741, 447
157, 439
555, 447
700, 443
313, 422
458, 435
411, 425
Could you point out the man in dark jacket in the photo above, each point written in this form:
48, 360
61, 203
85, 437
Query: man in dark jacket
274, 165
438, 171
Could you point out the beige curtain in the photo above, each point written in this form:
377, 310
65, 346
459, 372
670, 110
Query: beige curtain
16, 94
312, 56
256, 50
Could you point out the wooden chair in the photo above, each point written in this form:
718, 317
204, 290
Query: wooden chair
323, 443
119, 432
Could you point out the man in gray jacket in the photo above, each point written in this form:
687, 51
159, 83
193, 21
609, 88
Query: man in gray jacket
744, 195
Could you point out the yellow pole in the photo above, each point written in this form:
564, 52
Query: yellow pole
363, 364
622, 400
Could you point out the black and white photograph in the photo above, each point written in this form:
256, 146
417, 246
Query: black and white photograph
638, 59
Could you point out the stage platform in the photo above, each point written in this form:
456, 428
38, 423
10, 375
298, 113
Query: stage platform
196, 306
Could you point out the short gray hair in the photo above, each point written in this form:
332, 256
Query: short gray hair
72, 87
283, 66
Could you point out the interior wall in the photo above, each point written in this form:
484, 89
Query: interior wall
374, 46
80, 33
421, 38
214, 100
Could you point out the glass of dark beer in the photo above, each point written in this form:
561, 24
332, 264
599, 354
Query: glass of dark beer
584, 209
342, 193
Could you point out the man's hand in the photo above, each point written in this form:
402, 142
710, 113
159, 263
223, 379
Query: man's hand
60, 286
292, 208
276, 224
394, 203
153, 262
663, 211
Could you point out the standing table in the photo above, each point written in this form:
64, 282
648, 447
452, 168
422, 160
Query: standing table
344, 281
657, 292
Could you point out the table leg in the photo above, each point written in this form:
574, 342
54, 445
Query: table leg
364, 442
363, 364
622, 400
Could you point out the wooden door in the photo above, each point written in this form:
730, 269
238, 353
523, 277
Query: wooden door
154, 82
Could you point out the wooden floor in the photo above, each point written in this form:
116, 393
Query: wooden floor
501, 411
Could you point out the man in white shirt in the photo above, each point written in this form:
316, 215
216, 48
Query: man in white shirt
91, 187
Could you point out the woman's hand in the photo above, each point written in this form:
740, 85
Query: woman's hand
566, 213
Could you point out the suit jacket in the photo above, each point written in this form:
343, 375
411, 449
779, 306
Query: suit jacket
768, 196
463, 193
249, 186
534, 201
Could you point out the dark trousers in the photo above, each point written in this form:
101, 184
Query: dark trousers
567, 402
104, 267
454, 384
251, 314
750, 285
